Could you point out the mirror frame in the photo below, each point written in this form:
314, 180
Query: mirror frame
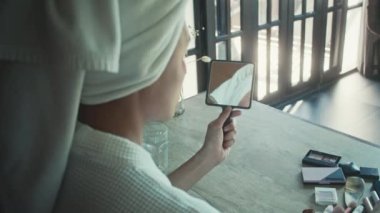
209, 81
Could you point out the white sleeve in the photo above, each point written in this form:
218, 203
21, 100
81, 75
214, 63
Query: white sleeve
117, 189
163, 197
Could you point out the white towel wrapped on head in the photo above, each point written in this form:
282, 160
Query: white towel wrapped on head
151, 31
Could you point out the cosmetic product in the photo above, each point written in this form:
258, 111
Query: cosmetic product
368, 205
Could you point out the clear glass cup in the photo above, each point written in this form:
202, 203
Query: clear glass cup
156, 143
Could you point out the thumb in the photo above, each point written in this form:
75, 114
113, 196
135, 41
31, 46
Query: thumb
223, 117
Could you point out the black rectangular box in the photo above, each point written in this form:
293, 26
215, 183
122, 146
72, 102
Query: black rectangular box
369, 173
321, 159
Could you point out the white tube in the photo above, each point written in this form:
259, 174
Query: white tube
375, 197
368, 205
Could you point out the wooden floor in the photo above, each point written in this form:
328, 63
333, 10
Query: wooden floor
350, 105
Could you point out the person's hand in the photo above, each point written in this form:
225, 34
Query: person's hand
219, 139
340, 209
216, 147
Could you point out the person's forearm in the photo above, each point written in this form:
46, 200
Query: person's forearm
191, 171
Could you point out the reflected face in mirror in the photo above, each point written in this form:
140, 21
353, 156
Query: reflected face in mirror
230, 84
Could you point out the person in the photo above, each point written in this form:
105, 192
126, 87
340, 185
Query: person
108, 169
121, 64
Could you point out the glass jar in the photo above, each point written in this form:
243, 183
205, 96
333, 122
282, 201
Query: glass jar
156, 143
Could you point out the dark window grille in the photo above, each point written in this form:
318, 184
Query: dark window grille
296, 45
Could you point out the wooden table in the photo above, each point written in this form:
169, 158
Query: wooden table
263, 170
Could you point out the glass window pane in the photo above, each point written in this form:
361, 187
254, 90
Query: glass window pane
262, 12
308, 49
273, 60
190, 83
275, 9
354, 2
296, 55
221, 17
309, 6
331, 3
221, 48
236, 49
326, 60
351, 47
235, 15
262, 65
297, 7
190, 23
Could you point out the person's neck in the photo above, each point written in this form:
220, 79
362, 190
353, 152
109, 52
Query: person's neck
121, 117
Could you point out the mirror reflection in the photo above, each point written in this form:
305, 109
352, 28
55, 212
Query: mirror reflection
230, 84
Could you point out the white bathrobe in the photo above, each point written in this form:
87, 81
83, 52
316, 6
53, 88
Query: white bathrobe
107, 173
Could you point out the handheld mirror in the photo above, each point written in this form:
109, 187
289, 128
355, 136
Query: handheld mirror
230, 84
